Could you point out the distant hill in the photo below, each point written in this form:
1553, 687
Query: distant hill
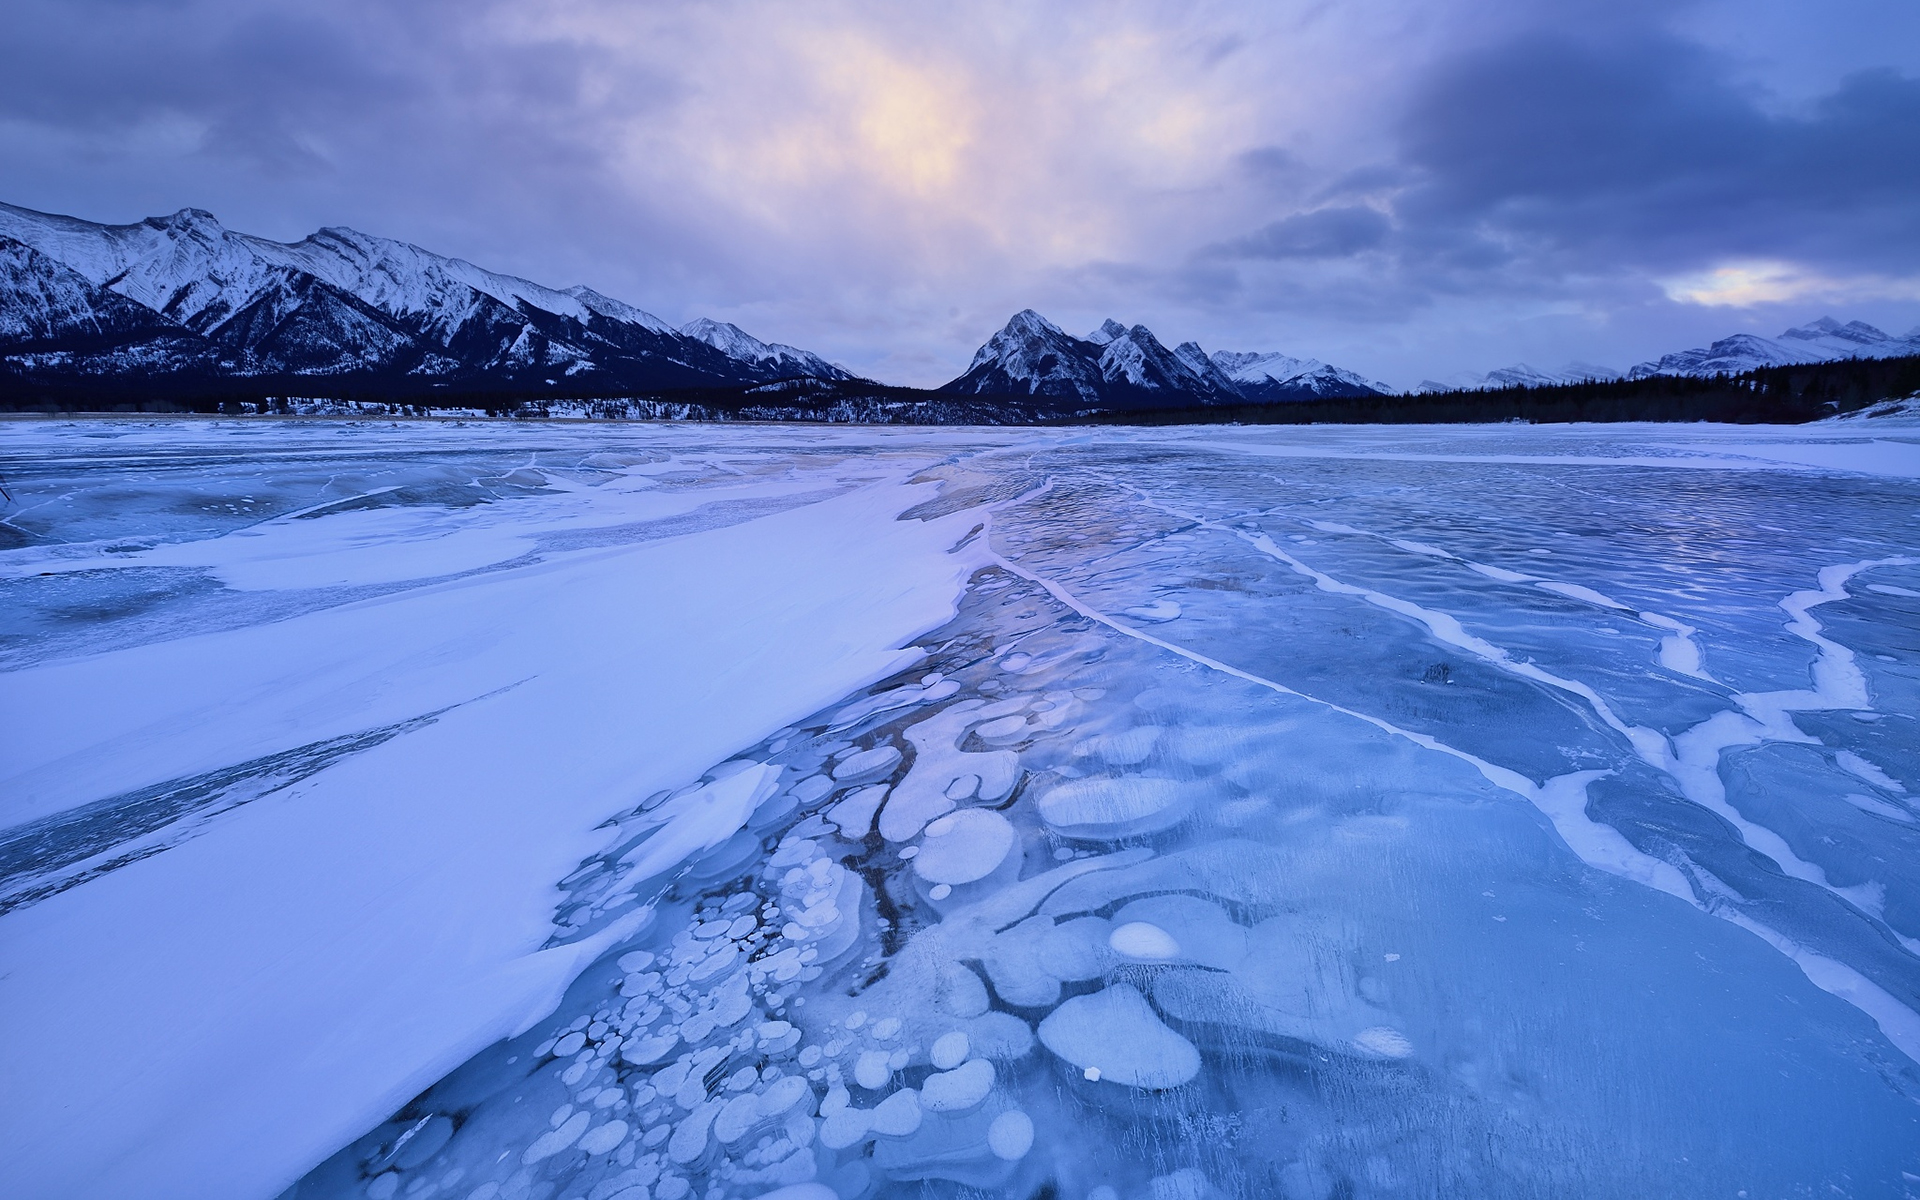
1825, 340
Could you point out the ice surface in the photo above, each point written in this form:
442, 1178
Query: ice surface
502, 813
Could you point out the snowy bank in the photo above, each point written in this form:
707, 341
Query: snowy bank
213, 1020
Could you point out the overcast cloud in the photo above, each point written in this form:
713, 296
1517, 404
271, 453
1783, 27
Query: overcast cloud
1406, 188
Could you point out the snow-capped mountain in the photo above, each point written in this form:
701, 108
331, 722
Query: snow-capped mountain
741, 346
1129, 367
1280, 377
1825, 340
1519, 375
183, 297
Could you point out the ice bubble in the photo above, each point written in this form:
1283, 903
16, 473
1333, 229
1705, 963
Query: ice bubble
1015, 961
866, 764
853, 816
646, 1051
1115, 1031
963, 788
1015, 662
1383, 1042
1011, 1135
949, 1050
605, 1138
1000, 1036
1003, 731
811, 789
964, 846
689, 1140
844, 1127
384, 1186
784, 1095
800, 1191
739, 1116
898, 1115
554, 1141
1123, 749
728, 858
871, 1071
938, 761
940, 891
635, 962
886, 1028
1141, 941
1201, 929
959, 1089
569, 1045
1113, 808
1160, 610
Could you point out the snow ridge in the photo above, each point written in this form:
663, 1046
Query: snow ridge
206, 300
1825, 340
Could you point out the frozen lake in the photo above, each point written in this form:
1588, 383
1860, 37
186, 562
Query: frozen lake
538, 812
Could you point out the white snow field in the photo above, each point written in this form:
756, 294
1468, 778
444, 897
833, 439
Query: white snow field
534, 812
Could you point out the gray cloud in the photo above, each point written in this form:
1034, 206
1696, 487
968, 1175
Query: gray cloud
1643, 150
1323, 233
1404, 187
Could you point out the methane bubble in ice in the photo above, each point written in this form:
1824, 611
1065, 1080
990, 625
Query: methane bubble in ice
1115, 1031
964, 846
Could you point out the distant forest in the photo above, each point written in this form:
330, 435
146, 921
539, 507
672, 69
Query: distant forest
1783, 395
1771, 395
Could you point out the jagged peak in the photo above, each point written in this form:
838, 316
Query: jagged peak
1109, 330
1028, 323
726, 337
1194, 357
1138, 334
1852, 331
617, 310
188, 219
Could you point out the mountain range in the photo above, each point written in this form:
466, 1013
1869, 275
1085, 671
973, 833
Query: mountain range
183, 302
183, 299
182, 305
1825, 340
1123, 367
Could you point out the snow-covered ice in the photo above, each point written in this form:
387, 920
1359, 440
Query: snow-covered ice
505, 812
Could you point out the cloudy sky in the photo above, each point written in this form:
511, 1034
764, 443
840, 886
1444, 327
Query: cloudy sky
1409, 188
